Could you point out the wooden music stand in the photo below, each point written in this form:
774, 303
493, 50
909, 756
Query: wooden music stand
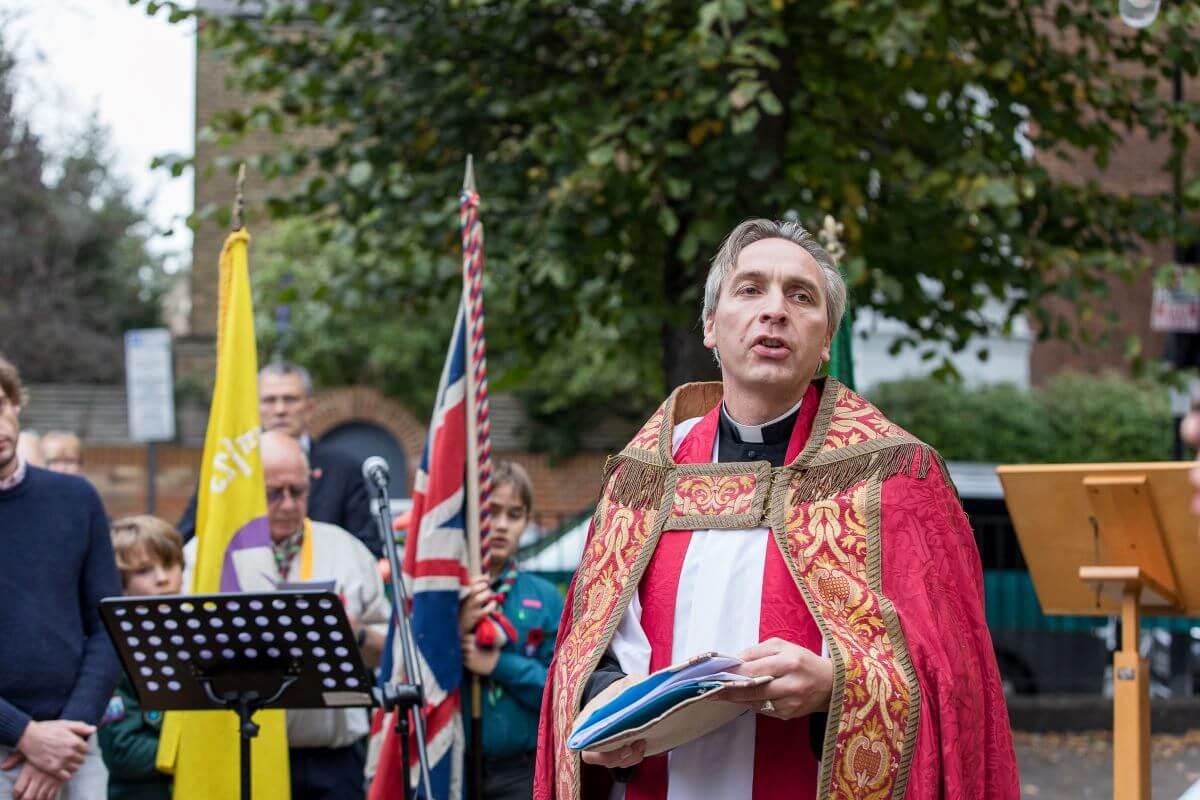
1104, 540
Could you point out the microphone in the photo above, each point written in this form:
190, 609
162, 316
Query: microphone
376, 474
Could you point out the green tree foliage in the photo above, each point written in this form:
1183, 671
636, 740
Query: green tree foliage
616, 143
1074, 418
74, 269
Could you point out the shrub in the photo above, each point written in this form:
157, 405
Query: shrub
1073, 418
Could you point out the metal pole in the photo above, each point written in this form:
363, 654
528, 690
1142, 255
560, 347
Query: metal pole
382, 513
151, 473
246, 729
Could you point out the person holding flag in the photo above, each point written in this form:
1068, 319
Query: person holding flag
780, 518
201, 748
508, 623
448, 541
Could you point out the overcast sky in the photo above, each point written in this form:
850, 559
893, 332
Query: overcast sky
136, 73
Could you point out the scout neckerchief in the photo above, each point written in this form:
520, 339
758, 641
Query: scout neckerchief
300, 543
496, 630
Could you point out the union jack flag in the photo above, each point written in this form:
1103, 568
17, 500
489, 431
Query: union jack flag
435, 572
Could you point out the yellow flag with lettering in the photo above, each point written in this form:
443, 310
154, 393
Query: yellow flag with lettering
201, 748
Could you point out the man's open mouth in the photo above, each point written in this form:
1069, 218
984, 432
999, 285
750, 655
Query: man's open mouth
771, 346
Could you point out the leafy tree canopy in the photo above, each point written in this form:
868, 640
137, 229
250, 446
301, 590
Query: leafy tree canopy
74, 269
617, 142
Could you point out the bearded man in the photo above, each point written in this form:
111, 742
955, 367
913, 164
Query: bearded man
782, 518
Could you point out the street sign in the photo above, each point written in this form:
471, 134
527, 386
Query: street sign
149, 387
1175, 311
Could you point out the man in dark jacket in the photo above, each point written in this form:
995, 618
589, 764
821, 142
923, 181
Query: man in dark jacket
57, 665
337, 494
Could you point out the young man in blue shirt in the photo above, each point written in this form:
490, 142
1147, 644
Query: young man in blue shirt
57, 665
514, 674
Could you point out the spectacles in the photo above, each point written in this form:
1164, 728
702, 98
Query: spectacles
276, 493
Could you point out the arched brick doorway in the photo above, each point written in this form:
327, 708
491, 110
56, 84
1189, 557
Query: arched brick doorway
361, 421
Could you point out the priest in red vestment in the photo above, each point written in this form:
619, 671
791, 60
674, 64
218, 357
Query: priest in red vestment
783, 519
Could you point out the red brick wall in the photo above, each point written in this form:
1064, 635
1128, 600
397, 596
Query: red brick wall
1136, 167
561, 489
119, 474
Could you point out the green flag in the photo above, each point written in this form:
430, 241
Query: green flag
841, 352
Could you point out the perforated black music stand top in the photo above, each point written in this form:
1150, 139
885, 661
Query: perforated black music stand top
171, 645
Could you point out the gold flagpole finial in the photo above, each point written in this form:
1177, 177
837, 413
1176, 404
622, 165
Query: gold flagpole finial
239, 199
831, 237
469, 177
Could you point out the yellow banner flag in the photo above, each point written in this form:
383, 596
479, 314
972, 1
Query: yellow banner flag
201, 748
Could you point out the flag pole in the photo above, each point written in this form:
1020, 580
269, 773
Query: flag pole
239, 198
474, 544
475, 561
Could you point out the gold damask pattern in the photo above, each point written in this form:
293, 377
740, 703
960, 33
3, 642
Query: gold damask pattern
876, 697
832, 547
856, 421
647, 438
711, 495
612, 563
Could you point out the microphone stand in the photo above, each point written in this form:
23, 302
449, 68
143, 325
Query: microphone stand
402, 698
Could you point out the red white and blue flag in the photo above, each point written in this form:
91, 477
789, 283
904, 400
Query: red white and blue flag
435, 573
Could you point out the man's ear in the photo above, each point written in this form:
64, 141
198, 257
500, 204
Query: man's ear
826, 355
710, 335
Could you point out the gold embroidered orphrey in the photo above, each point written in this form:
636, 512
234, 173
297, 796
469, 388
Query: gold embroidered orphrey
824, 510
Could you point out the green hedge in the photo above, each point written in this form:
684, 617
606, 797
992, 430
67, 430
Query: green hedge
1073, 418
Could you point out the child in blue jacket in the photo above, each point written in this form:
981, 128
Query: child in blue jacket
524, 611
150, 557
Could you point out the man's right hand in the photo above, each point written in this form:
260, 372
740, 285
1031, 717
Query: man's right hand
631, 754
56, 747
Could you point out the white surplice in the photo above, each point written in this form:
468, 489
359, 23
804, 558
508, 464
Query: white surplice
717, 607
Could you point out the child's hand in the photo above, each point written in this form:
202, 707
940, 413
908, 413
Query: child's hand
478, 603
477, 659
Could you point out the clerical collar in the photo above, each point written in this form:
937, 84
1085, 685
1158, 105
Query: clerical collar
771, 432
766, 442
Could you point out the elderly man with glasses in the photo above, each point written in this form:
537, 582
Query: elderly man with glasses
325, 746
336, 492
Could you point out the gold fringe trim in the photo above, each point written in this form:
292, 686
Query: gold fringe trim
828, 479
634, 483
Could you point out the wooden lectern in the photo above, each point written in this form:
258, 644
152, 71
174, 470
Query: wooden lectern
1111, 539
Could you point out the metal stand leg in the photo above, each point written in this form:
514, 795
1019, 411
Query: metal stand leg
403, 727
245, 704
247, 730
403, 699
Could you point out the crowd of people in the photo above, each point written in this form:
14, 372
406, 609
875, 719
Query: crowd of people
776, 515
71, 724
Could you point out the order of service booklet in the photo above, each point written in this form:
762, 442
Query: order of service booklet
667, 708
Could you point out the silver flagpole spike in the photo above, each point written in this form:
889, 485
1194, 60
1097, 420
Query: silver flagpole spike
469, 177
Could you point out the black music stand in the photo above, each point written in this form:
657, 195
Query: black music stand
240, 652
